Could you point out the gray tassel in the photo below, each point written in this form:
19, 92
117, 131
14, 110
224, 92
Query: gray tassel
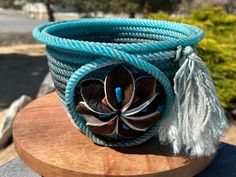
197, 119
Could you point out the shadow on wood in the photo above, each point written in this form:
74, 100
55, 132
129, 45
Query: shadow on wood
20, 74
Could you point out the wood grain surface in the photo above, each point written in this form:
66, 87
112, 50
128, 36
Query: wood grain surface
47, 141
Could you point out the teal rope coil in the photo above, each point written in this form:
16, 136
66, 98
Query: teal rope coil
77, 48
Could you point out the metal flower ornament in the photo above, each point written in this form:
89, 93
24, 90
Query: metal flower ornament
120, 106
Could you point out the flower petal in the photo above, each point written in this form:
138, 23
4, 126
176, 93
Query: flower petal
92, 92
142, 123
140, 107
120, 80
85, 110
145, 89
102, 128
95, 124
125, 131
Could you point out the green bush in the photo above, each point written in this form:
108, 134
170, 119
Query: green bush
218, 49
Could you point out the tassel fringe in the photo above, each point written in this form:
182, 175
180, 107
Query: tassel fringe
197, 120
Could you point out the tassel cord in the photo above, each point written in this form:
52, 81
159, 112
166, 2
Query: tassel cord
200, 120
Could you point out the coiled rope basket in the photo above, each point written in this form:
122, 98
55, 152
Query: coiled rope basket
88, 47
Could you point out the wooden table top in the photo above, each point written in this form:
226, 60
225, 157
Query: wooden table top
47, 141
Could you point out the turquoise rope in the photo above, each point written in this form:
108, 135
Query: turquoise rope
77, 48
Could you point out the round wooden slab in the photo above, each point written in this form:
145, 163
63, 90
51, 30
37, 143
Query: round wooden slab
46, 140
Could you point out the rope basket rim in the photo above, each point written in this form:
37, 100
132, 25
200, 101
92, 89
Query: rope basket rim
45, 34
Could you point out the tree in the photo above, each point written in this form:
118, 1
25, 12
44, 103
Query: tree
6, 3
107, 6
89, 6
50, 12
127, 6
140, 6
169, 6
48, 4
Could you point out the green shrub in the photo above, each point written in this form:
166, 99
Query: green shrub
218, 49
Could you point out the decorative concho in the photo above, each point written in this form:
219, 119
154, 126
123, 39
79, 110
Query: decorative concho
121, 106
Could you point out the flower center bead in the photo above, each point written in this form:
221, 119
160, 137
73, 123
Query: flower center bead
118, 113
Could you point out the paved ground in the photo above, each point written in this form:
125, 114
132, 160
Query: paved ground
16, 168
7, 154
15, 27
14, 21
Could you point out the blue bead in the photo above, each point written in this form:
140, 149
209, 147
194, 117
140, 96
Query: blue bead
125, 127
144, 110
118, 91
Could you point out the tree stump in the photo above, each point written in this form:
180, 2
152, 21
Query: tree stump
46, 141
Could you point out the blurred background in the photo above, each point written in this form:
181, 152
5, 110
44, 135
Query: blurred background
23, 65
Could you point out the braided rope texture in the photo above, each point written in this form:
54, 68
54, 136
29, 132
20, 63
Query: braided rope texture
77, 48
